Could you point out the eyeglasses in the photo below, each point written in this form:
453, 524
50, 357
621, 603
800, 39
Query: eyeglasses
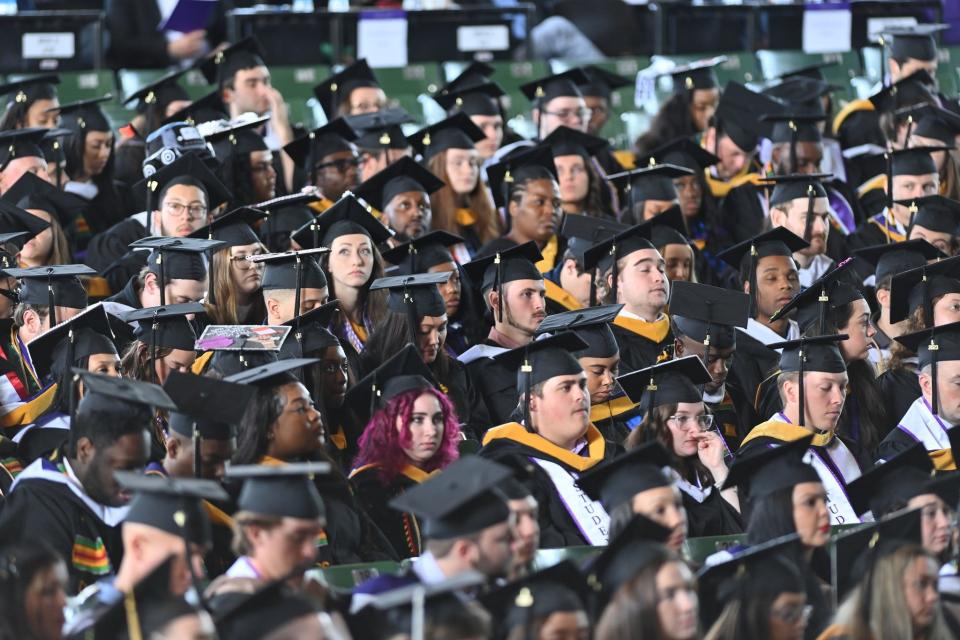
794, 614
567, 115
178, 209
703, 422
241, 261
342, 165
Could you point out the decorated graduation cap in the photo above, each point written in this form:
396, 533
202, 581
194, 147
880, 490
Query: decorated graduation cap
54, 286
608, 253
766, 470
649, 183
935, 213
381, 129
30, 88
308, 151
176, 258
20, 143
891, 259
285, 491
404, 175
516, 168
459, 501
165, 327
415, 296
510, 265
346, 217
708, 315
680, 152
515, 605
456, 132
272, 374
669, 382
917, 288
832, 290
564, 141
616, 481
592, 325
933, 345
233, 228
404, 371
206, 108
602, 82
171, 504
421, 254
745, 256
558, 85
292, 270
541, 360
476, 100
736, 115
220, 67
238, 139
912, 41
699, 74
801, 356
336, 89
189, 164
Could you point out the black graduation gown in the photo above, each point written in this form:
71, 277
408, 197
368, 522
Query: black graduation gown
897, 441
733, 416
352, 536
512, 445
752, 364
641, 343
741, 212
109, 252
899, 387
714, 516
871, 232
466, 397
401, 529
497, 386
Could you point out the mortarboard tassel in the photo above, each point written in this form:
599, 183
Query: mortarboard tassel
808, 225
652, 395
501, 302
615, 272
934, 348
153, 348
794, 135
803, 406
197, 470
706, 342
72, 377
413, 319
162, 278
527, 370
298, 266
134, 631
906, 139
913, 213
889, 158
754, 310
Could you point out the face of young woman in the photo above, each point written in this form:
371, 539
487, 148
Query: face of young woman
463, 169
177, 360
938, 521
336, 371
450, 290
246, 275
810, 514
565, 625
685, 428
96, 152
677, 603
107, 364
44, 601
433, 335
679, 262
573, 178
36, 250
921, 592
947, 309
664, 506
425, 429
351, 260
298, 431
860, 330
39, 114
788, 616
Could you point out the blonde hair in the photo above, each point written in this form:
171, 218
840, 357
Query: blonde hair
224, 311
445, 202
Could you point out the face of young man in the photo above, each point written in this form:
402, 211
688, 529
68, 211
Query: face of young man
562, 413
793, 216
526, 305
777, 282
250, 92
642, 283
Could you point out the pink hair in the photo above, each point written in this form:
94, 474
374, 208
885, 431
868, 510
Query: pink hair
382, 444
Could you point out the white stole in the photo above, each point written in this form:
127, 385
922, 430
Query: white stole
920, 424
589, 515
838, 504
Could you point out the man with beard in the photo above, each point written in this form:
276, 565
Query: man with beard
401, 192
799, 204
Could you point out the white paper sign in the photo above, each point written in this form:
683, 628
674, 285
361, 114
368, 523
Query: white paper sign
827, 31
48, 45
494, 37
382, 40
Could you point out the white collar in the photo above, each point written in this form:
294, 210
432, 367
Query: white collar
633, 316
768, 336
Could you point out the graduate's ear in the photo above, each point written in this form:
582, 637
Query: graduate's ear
926, 385
150, 283
677, 347
173, 446
85, 450
883, 297
493, 300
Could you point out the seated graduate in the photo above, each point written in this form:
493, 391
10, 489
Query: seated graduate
649, 191
474, 93
412, 435
56, 209
401, 193
380, 139
275, 609
289, 278
282, 425
632, 272
556, 435
280, 522
935, 219
704, 322
812, 385
246, 162
668, 234
931, 416
677, 418
800, 204
330, 161
513, 292
936, 126
72, 502
583, 189
175, 273
285, 215
569, 285
417, 315
354, 90
35, 565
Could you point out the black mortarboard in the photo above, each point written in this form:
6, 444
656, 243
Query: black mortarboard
668, 227
937, 123
906, 94
791, 128
292, 270
233, 228
813, 71
832, 290
602, 82
311, 331
475, 73
254, 616
83, 335
423, 253
708, 314
650, 182
54, 286
84, 115
220, 67
698, 74
766, 470
933, 345
914, 161
459, 501
614, 482
917, 288
120, 396
680, 152
798, 186
516, 605
819, 353
207, 409
13, 217
336, 89
272, 374
381, 129
346, 217
176, 258
404, 175
171, 504
888, 486
286, 491
308, 151
744, 256
737, 113
564, 141
582, 232
237, 139
857, 552
456, 132
404, 371
191, 165
913, 41
592, 325
162, 91
414, 296
206, 108
27, 89
285, 214
935, 213
526, 164
802, 93
543, 90
478, 100
33, 192
607, 254
20, 143
668, 382
166, 327
891, 259
515, 263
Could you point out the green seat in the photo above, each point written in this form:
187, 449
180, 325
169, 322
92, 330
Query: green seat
295, 84
946, 75
130, 80
699, 549
405, 85
83, 85
347, 576
511, 75
546, 558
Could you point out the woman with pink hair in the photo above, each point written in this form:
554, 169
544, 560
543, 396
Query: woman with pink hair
413, 436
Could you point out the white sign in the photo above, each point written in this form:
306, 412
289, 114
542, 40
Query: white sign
494, 37
382, 41
827, 31
48, 45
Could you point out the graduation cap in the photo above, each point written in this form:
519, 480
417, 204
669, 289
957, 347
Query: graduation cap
581, 233
20, 143
819, 353
62, 345
404, 175
477, 100
176, 258
669, 382
917, 288
515, 263
602, 82
649, 183
592, 325
285, 214
608, 253
171, 504
273, 374
813, 71
165, 327
120, 397
802, 93
206, 108
736, 115
253, 616
233, 228
796, 186
528, 164
891, 259
54, 286
930, 121
346, 217
238, 139
475, 73
615, 482
220, 67
791, 128
188, 164
680, 152
404, 371
84, 115
564, 141
455, 132
766, 470
912, 41
308, 151
708, 315
30, 88
414, 296
459, 501
381, 129
745, 256
933, 345
935, 213
558, 85
161, 91
33, 192
337, 88
541, 360
668, 227
423, 253
698, 74
311, 331
914, 161
515, 605
285, 491
832, 290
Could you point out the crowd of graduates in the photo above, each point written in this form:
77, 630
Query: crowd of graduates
235, 354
